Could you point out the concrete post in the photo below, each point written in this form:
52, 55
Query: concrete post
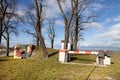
107, 60
63, 56
97, 62
62, 45
100, 58
69, 46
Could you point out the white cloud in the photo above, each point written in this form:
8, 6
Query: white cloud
110, 33
52, 9
113, 32
107, 37
21, 10
93, 25
95, 43
115, 19
97, 6
59, 22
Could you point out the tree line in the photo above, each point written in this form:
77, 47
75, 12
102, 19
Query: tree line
74, 19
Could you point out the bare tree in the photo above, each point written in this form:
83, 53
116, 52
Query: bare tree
71, 34
39, 9
3, 8
51, 31
81, 6
10, 23
67, 20
7, 8
31, 19
10, 27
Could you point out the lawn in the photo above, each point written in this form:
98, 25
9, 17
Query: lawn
37, 68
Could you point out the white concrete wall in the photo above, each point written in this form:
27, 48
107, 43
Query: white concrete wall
62, 45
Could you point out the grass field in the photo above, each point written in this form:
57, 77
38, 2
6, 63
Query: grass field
37, 68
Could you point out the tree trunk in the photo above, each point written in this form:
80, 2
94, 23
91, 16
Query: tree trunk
45, 53
75, 42
38, 41
39, 25
66, 28
1, 27
52, 42
3, 9
1, 18
76, 34
66, 37
7, 41
76, 25
67, 22
0, 32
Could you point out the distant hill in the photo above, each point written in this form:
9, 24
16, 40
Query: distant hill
99, 48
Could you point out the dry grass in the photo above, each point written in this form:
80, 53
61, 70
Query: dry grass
51, 69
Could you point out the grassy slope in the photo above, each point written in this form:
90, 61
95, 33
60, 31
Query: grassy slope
51, 69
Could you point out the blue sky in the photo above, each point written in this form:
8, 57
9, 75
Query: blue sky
104, 32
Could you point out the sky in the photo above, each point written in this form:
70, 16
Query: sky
105, 32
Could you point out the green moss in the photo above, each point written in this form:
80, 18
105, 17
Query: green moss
38, 54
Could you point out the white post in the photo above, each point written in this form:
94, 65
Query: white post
63, 53
107, 60
62, 45
63, 56
69, 46
97, 60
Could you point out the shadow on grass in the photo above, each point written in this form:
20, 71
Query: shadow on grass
90, 73
86, 60
52, 54
3, 60
6, 58
75, 58
112, 63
